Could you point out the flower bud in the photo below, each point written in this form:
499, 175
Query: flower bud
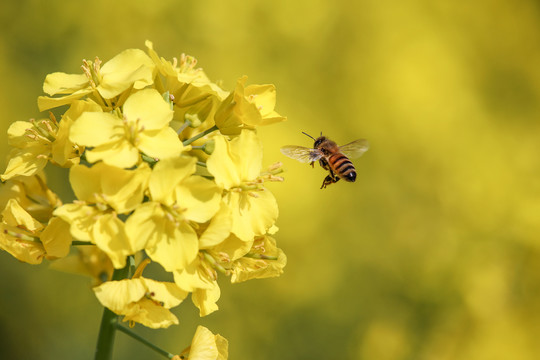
209, 147
192, 120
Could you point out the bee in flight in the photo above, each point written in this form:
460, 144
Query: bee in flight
331, 157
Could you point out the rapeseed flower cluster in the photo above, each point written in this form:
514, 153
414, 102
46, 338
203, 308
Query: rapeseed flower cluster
163, 162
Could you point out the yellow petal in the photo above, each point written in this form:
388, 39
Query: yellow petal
142, 300
149, 314
87, 261
222, 166
203, 345
17, 132
193, 277
249, 268
62, 83
26, 162
145, 225
233, 246
251, 216
85, 182
45, 102
63, 150
236, 161
96, 128
199, 197
167, 174
205, 299
15, 215
223, 347
121, 154
27, 251
247, 154
218, 230
130, 67
32, 194
167, 293
116, 295
125, 189
122, 189
56, 238
149, 109
176, 248
109, 235
160, 144
81, 218
263, 96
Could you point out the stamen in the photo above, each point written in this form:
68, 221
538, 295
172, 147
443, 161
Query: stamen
37, 136
21, 236
210, 259
53, 118
260, 256
138, 272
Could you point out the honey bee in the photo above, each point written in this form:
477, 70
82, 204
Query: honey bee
331, 157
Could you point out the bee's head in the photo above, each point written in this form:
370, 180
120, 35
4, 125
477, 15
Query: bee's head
318, 141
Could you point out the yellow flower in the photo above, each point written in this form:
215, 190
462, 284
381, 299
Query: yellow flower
32, 141
263, 261
164, 225
32, 193
37, 142
130, 68
103, 192
158, 184
200, 279
144, 127
194, 97
142, 300
205, 299
64, 152
88, 261
28, 240
236, 167
247, 107
183, 74
205, 346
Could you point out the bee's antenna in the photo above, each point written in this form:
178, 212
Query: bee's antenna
309, 135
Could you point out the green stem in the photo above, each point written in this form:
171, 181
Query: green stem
260, 256
150, 160
79, 242
142, 340
198, 136
109, 320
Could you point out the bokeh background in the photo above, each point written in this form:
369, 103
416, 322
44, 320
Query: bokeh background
434, 252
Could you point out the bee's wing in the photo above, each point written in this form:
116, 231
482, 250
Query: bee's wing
354, 149
300, 153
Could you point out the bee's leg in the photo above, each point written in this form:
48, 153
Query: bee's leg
312, 164
329, 179
324, 165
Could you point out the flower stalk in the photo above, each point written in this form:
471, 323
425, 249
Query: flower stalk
198, 136
109, 320
144, 341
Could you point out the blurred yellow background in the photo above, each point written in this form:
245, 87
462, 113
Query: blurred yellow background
433, 253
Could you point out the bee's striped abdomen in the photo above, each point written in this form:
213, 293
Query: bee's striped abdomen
342, 166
